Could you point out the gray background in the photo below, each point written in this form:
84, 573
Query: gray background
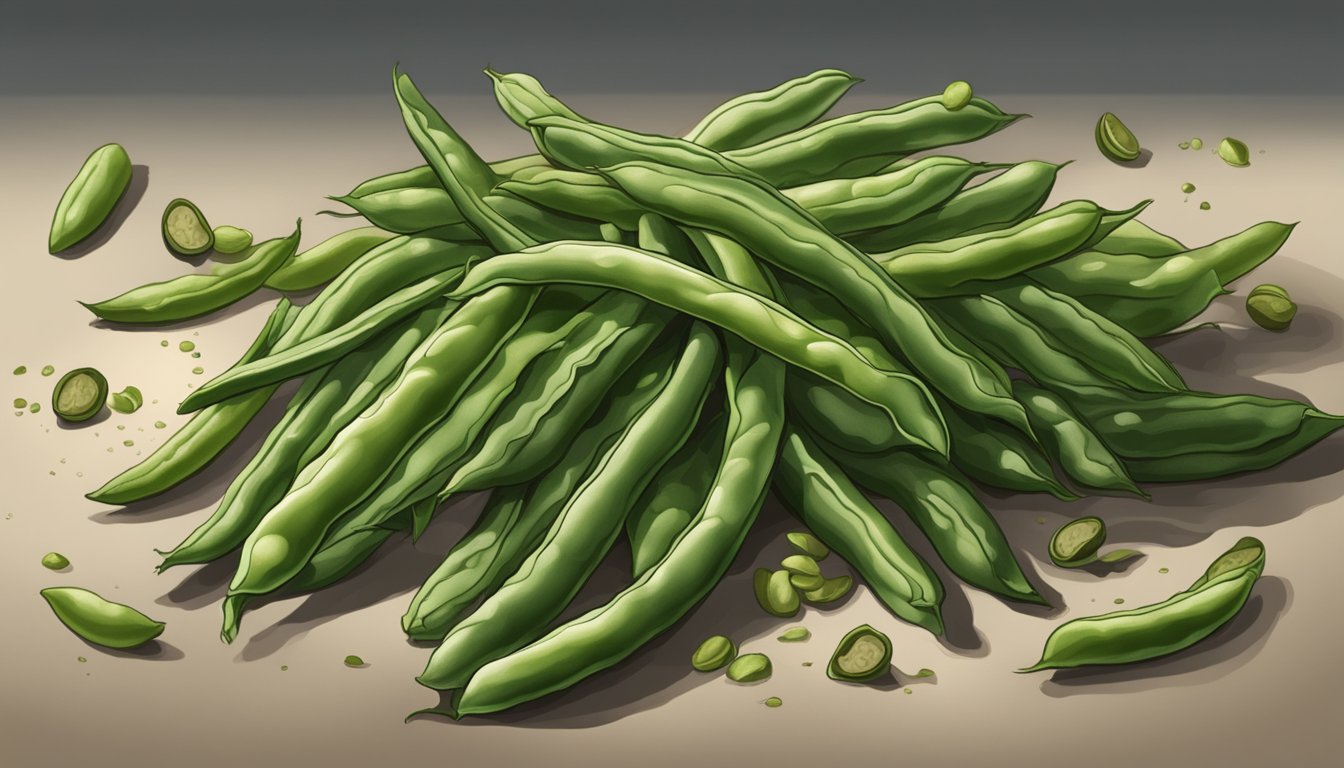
339, 46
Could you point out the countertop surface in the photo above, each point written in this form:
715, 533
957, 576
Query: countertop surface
1261, 690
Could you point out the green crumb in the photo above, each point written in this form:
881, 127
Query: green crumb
807, 663
1040, 521
925, 672
284, 667
773, 702
34, 407
1196, 143
19, 402
196, 354
186, 346
1164, 570
1184, 145
163, 343
198, 370
159, 425
1119, 601
353, 661
795, 635
1187, 187
22, 369
908, 691
81, 659
55, 561
128, 443
47, 370
1204, 206
121, 427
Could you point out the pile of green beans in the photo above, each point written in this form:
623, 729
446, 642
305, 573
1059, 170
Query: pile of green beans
637, 335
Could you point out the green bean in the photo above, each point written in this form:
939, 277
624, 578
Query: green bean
202, 438
760, 321
552, 402
380, 272
1180, 621
1072, 442
324, 348
577, 194
937, 499
1202, 465
669, 589
96, 189
674, 497
840, 417
860, 143
324, 405
966, 264
505, 535
189, 296
774, 229
428, 387
823, 497
755, 117
1108, 347
1148, 425
1003, 201
1136, 237
463, 174
886, 198
418, 205
324, 261
522, 607
101, 621
990, 453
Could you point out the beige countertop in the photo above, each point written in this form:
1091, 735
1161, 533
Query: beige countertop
1262, 690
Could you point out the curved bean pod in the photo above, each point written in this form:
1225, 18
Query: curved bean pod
755, 117
324, 261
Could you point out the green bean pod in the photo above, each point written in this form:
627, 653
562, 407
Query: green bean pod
324, 348
201, 439
323, 262
755, 117
967, 264
1202, 465
1073, 443
674, 497
1157, 426
1180, 621
760, 321
1136, 237
100, 621
522, 607
988, 452
324, 405
669, 589
839, 417
505, 534
428, 387
463, 174
823, 497
939, 501
857, 144
999, 203
418, 203
89, 199
188, 296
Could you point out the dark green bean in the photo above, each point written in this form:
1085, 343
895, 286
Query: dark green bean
188, 296
669, 589
1072, 443
989, 452
96, 189
1003, 201
202, 438
522, 607
760, 321
324, 261
823, 497
504, 536
939, 501
1180, 621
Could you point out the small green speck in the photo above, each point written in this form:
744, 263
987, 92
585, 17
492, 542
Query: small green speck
1187, 187
128, 443
353, 661
198, 370
81, 659
47, 370
121, 427
926, 672
22, 369
1196, 143
774, 701
795, 635
284, 667
109, 449
196, 354
1119, 601
908, 691
1204, 206
186, 346
159, 425
1184, 145
55, 561
163, 343
52, 473
1164, 570
34, 407
807, 663
1040, 521
19, 402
